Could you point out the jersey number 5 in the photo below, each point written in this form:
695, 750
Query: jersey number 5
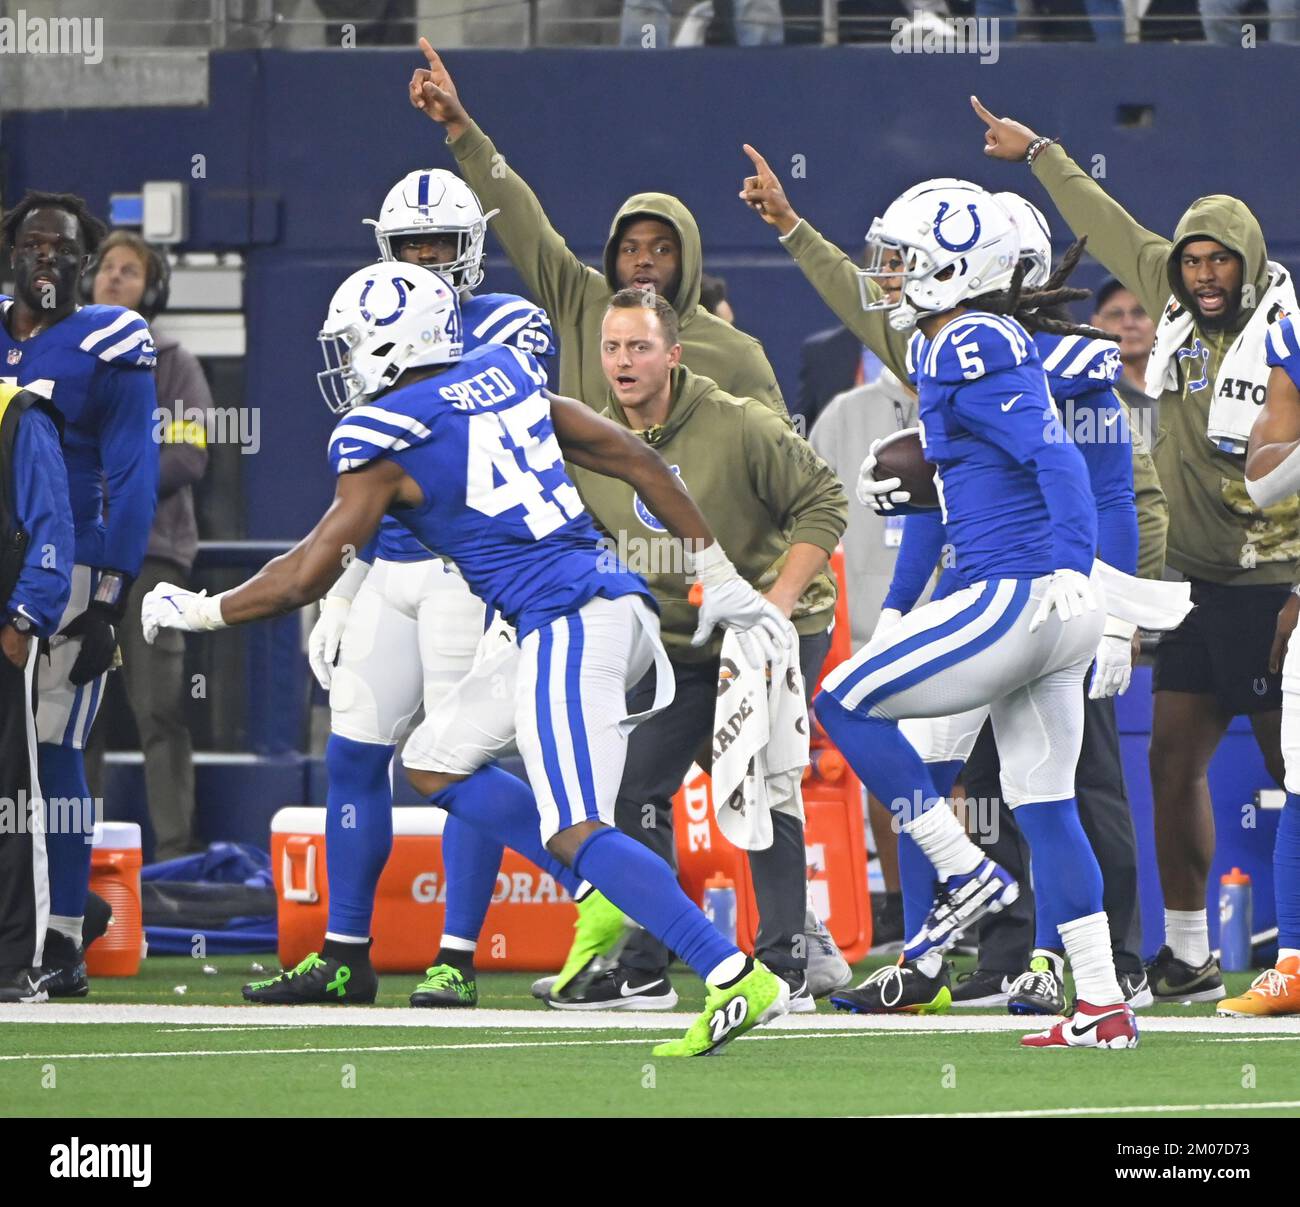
506, 461
968, 356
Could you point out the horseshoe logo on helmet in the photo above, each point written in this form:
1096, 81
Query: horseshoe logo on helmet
400, 286
974, 234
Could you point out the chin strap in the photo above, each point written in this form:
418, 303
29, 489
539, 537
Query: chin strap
903, 317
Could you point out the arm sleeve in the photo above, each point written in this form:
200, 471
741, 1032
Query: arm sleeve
1110, 475
1152, 510
129, 454
1139, 258
801, 492
552, 274
835, 277
41, 493
918, 555
1056, 463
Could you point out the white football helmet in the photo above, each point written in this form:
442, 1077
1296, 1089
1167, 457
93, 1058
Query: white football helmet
434, 201
383, 320
1035, 237
955, 241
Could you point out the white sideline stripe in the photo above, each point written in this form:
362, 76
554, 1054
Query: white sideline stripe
546, 1043
526, 1018
1163, 1108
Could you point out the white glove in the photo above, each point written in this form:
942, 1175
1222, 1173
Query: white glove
889, 617
730, 601
327, 632
1114, 667
168, 606
883, 496
1069, 594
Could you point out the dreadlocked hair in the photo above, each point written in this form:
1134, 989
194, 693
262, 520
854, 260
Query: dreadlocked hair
92, 229
1043, 309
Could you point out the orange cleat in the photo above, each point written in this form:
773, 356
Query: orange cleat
1275, 991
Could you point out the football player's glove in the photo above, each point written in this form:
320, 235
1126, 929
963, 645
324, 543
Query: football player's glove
168, 606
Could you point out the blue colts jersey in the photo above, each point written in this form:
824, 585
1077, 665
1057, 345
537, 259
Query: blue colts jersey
1015, 494
96, 367
487, 318
478, 440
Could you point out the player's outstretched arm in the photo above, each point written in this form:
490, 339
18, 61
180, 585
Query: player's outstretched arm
1273, 454
1137, 256
551, 273
298, 577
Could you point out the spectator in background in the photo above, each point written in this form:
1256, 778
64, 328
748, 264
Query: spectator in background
842, 436
1224, 24
128, 272
713, 297
1119, 312
715, 23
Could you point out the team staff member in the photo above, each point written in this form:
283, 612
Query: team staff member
778, 511
130, 273
1215, 292
653, 244
36, 555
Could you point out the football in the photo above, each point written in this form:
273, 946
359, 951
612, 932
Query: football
901, 456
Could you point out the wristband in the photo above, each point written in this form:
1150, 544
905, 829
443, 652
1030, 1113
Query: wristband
1119, 628
349, 582
1037, 147
710, 564
207, 612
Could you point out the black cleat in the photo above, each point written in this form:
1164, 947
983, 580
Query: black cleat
980, 989
1173, 980
63, 968
318, 979
898, 989
22, 985
1040, 990
618, 989
446, 985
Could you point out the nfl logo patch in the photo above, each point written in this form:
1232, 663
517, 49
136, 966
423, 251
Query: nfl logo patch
15, 355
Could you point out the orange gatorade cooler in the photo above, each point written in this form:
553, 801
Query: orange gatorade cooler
115, 875
835, 841
529, 924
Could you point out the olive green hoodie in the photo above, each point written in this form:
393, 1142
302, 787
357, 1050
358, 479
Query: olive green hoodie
760, 486
836, 278
575, 296
1215, 531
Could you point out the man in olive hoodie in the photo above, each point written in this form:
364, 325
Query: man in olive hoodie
779, 511
653, 244
1207, 284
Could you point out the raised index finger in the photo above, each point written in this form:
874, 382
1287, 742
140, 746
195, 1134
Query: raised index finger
758, 161
430, 54
984, 114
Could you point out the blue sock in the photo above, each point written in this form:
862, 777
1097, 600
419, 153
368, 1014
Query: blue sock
1286, 873
67, 839
470, 862
645, 888
881, 758
1067, 877
358, 830
502, 807
915, 871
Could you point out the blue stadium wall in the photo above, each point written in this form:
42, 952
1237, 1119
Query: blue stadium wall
299, 147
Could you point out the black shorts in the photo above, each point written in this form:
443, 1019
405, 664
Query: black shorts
1222, 648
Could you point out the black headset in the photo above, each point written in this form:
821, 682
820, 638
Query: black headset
158, 281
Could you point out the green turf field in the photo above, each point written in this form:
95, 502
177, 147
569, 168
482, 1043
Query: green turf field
513, 1058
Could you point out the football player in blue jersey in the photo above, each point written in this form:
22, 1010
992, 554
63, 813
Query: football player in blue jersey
1080, 370
468, 452
1272, 475
94, 363
399, 629
1020, 633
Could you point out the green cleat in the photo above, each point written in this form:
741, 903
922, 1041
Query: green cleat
755, 999
600, 933
317, 979
445, 985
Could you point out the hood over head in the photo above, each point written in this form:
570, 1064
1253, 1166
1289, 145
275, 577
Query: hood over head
667, 209
1227, 220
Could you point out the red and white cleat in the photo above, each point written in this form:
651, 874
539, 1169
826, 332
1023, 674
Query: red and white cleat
1091, 1027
